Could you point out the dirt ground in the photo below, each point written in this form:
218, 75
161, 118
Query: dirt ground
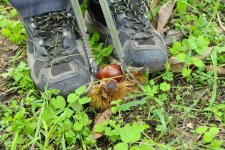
8, 53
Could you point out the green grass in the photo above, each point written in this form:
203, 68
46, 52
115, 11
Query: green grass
182, 110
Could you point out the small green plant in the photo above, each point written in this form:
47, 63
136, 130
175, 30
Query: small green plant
202, 33
218, 110
151, 89
186, 50
165, 86
10, 28
129, 134
100, 52
209, 136
162, 115
182, 6
57, 120
21, 77
126, 106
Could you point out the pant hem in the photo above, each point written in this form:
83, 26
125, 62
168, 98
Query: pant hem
43, 8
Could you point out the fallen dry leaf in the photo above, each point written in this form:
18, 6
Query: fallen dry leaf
190, 125
164, 15
154, 3
177, 66
106, 115
220, 70
154, 22
206, 54
171, 35
184, 133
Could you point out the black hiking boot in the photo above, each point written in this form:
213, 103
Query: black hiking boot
56, 55
144, 48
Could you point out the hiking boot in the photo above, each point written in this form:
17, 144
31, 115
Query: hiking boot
56, 55
144, 48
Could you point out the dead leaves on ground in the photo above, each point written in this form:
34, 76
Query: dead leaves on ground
220, 70
177, 66
154, 3
206, 54
162, 19
106, 115
164, 15
171, 35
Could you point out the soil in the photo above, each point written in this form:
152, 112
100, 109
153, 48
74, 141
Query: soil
7, 54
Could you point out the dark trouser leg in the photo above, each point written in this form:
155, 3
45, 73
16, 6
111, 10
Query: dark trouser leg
95, 9
29, 8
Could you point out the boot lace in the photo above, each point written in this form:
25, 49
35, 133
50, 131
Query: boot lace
135, 14
50, 28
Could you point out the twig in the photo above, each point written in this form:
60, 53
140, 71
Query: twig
8, 91
220, 22
132, 76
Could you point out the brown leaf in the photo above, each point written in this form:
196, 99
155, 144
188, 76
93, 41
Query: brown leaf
177, 66
171, 35
33, 147
154, 22
106, 115
164, 14
220, 70
154, 3
206, 54
190, 125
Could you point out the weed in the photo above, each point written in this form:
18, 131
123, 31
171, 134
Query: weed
172, 111
56, 120
209, 136
12, 29
100, 52
21, 77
